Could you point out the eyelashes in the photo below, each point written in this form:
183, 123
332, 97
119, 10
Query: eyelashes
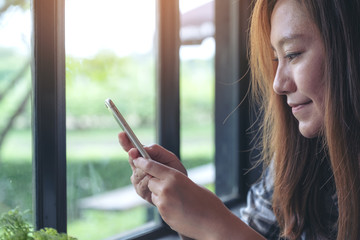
290, 56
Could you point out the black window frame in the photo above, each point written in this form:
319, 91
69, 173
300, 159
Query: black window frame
232, 141
48, 113
235, 150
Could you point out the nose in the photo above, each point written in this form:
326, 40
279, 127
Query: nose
283, 82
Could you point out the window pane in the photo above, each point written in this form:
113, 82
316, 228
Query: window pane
109, 54
15, 117
197, 78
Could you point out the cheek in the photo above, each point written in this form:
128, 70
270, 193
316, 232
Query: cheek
311, 80
316, 90
318, 86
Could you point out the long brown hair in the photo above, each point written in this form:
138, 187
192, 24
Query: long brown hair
298, 161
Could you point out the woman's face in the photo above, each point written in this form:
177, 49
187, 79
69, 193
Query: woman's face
299, 53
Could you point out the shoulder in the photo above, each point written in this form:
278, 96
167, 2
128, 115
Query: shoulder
258, 212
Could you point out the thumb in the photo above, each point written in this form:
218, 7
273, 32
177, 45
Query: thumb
153, 168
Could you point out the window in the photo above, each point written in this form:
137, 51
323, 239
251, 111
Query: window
111, 57
197, 94
49, 136
15, 107
233, 138
54, 204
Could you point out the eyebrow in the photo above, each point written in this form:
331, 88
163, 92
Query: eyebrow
289, 38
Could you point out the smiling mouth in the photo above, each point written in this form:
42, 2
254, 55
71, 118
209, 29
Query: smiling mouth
297, 107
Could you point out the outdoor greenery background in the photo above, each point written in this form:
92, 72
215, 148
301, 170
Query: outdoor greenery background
96, 163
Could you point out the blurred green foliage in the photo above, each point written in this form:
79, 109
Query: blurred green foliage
10, 65
14, 226
129, 81
94, 162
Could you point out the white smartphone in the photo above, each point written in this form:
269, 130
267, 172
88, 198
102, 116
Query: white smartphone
125, 127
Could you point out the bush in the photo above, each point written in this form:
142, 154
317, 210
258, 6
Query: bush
14, 227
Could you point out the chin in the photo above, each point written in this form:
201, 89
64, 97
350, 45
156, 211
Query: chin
308, 135
309, 131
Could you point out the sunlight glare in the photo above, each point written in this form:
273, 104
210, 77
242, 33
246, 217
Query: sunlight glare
121, 26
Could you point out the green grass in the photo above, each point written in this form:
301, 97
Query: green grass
17, 147
100, 225
95, 145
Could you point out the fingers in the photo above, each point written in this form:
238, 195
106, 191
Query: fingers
155, 151
133, 153
165, 166
142, 188
137, 176
125, 141
155, 186
160, 154
152, 167
155, 199
166, 193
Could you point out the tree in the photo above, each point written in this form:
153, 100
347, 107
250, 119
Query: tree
6, 6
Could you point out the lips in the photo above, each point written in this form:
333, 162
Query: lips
298, 106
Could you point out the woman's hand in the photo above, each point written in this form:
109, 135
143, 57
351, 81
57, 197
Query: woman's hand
187, 208
139, 178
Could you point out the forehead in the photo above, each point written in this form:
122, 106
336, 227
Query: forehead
289, 22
